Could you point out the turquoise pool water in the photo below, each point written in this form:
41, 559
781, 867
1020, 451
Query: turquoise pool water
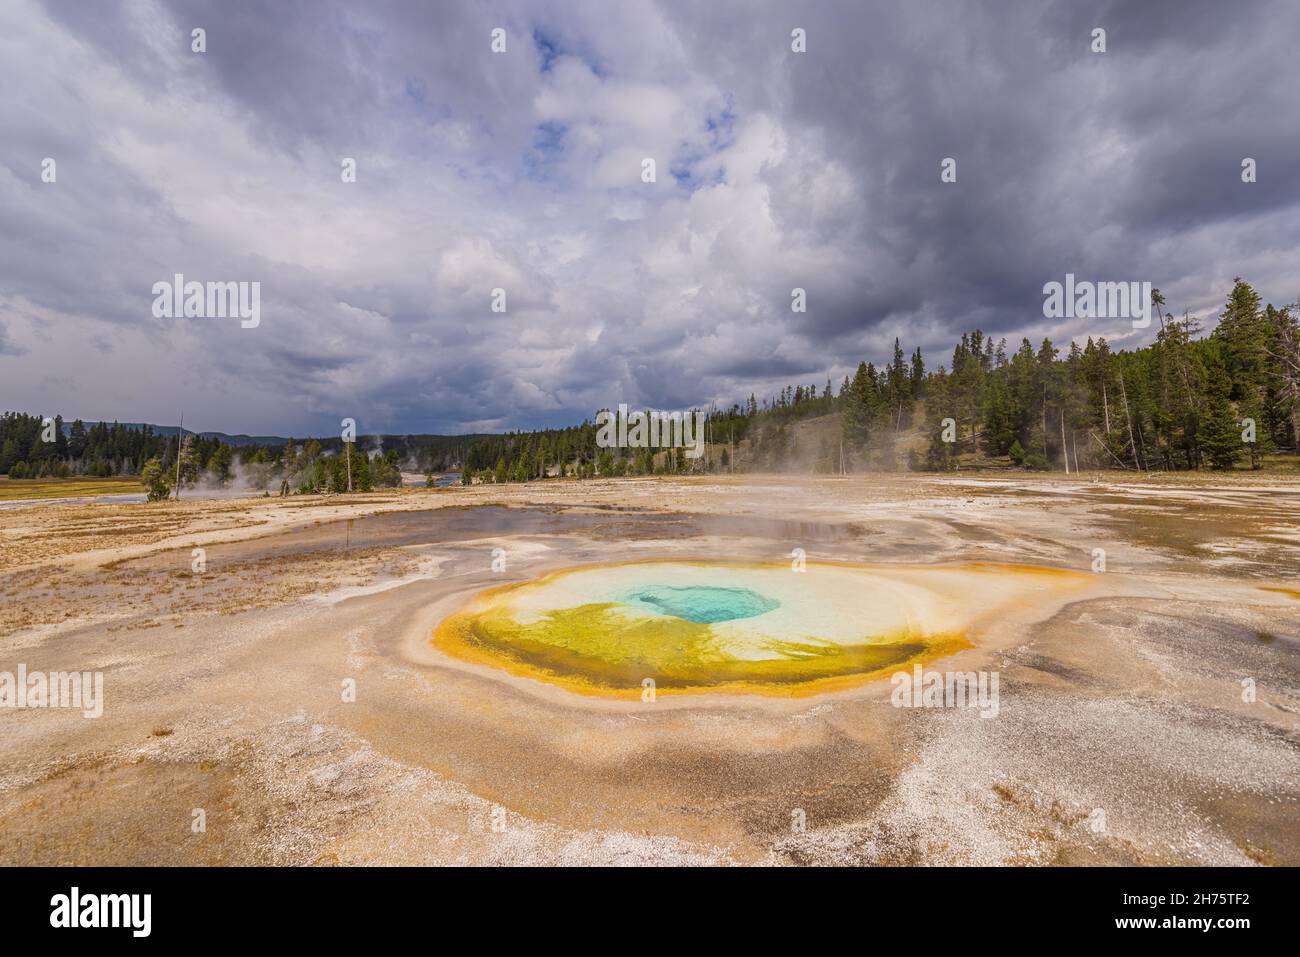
702, 604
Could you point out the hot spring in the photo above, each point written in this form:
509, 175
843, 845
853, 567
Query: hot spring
702, 604
696, 626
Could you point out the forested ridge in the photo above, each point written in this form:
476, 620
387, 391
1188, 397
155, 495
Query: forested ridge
1187, 401
103, 449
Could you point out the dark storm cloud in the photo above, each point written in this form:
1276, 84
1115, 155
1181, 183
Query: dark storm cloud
521, 171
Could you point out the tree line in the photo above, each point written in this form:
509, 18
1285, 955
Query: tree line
103, 450
1187, 401
99, 450
290, 468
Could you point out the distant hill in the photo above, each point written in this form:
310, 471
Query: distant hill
235, 440
427, 453
241, 440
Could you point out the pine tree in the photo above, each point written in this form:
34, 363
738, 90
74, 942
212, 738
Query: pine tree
859, 406
1245, 334
1220, 436
220, 463
940, 455
918, 374
1284, 375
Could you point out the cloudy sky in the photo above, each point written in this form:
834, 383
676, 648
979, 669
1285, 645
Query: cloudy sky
522, 171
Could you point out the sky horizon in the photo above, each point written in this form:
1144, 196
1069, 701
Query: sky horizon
480, 169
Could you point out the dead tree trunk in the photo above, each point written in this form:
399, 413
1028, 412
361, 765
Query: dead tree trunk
1128, 418
1065, 448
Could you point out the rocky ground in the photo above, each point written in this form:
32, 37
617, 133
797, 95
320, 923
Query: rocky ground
1125, 733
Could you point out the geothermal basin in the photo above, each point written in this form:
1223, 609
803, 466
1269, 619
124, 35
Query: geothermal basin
767, 628
360, 680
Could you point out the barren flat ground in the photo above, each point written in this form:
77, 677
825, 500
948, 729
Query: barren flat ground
1149, 716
